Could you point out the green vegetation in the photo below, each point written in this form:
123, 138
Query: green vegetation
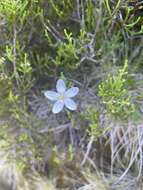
92, 116
115, 95
93, 45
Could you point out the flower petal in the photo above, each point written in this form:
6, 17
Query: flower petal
61, 87
58, 106
72, 92
51, 95
70, 104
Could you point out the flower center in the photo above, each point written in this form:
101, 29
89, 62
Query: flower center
61, 97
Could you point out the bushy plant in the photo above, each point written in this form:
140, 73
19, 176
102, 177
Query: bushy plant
62, 9
67, 54
92, 115
115, 96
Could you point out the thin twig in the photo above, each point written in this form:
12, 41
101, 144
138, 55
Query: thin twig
78, 9
58, 129
15, 73
82, 15
89, 146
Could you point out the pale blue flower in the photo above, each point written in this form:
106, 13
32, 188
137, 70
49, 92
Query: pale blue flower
62, 97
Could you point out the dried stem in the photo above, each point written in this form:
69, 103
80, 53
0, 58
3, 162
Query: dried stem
15, 73
89, 146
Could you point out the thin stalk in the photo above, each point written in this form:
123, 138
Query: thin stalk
15, 73
89, 146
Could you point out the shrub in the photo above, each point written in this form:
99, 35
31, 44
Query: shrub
115, 96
